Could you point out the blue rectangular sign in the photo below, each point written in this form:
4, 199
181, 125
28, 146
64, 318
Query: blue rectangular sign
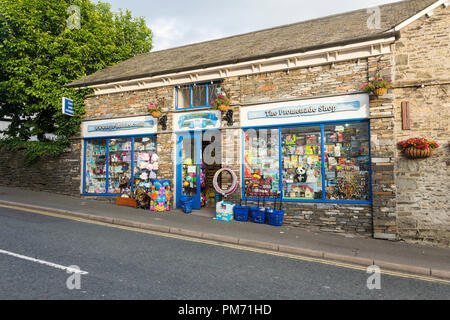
67, 106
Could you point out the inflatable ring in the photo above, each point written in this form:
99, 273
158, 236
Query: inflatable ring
233, 186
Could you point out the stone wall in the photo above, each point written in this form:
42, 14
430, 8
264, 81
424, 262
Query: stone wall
58, 175
422, 57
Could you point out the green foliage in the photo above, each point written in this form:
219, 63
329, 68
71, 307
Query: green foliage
33, 150
39, 54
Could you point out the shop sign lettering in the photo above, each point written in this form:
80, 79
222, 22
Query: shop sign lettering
304, 110
115, 126
197, 120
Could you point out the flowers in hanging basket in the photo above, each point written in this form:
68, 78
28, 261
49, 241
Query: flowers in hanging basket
419, 143
417, 147
377, 85
221, 102
154, 109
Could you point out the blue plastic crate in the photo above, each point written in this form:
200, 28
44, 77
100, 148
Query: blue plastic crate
241, 213
258, 214
275, 218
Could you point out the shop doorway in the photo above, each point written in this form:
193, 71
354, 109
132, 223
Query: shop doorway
199, 155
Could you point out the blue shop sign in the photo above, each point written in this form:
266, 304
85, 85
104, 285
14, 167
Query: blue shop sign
125, 125
199, 120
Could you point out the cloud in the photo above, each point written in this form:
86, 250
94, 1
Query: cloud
171, 32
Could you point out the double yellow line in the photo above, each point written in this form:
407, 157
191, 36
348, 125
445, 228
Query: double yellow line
228, 245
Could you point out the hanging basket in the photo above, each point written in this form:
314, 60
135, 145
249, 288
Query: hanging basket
415, 153
156, 114
223, 108
380, 91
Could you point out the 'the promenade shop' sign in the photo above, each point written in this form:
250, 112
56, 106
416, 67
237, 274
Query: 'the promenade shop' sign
312, 110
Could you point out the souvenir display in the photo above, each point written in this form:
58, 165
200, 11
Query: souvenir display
119, 178
301, 163
145, 162
95, 179
189, 177
261, 163
347, 162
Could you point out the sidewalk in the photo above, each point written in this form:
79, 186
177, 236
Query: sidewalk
397, 256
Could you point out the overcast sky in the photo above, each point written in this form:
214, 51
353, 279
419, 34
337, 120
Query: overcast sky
179, 22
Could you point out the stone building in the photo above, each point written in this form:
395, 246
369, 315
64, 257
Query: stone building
300, 129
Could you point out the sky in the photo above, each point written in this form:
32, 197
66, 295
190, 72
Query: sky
179, 22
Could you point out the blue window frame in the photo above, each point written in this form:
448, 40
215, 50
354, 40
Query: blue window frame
98, 164
334, 170
198, 95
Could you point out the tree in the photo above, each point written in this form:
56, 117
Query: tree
39, 54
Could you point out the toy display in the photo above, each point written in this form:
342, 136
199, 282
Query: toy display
95, 179
119, 178
160, 195
261, 160
145, 162
347, 162
301, 163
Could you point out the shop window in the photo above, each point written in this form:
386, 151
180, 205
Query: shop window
119, 165
261, 163
301, 163
347, 160
196, 95
145, 162
95, 177
341, 173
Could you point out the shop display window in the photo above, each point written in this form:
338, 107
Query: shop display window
341, 173
95, 178
119, 165
109, 164
301, 162
145, 162
347, 160
261, 163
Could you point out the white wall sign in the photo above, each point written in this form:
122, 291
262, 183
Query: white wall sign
210, 119
354, 106
119, 127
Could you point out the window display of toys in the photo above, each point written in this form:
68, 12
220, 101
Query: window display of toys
301, 163
95, 172
145, 162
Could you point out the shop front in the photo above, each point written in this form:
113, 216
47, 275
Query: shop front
119, 155
198, 155
314, 151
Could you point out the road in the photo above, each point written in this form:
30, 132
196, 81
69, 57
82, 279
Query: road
126, 264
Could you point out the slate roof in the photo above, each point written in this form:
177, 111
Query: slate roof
349, 27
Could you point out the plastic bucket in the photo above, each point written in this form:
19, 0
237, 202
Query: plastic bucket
241, 213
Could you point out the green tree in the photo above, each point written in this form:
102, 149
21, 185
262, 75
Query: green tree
39, 54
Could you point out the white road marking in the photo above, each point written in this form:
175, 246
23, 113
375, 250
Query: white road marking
50, 264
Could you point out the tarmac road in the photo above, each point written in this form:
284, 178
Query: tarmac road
36, 250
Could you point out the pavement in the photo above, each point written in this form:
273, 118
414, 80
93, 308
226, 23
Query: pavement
409, 258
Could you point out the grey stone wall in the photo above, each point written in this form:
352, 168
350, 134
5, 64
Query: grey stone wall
59, 175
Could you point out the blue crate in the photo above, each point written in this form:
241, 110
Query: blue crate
275, 217
241, 213
258, 214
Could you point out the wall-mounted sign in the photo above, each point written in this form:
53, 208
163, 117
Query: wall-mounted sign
67, 106
197, 120
119, 127
126, 125
312, 110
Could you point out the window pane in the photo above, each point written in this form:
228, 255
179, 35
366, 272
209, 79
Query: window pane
212, 92
183, 97
301, 163
261, 163
347, 161
145, 162
199, 96
119, 165
95, 181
